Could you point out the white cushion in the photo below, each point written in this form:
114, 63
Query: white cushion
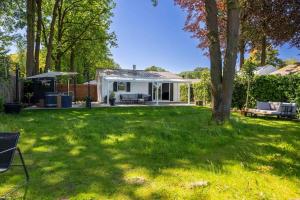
263, 106
275, 105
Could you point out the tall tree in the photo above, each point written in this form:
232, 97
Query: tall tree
38, 36
30, 10
49, 40
212, 13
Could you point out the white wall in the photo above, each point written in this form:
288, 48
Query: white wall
135, 87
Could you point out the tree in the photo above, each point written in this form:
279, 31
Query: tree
49, 39
272, 23
248, 74
290, 61
30, 10
38, 36
155, 69
271, 57
222, 74
196, 73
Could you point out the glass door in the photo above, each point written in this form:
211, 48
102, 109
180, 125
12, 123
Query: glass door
164, 92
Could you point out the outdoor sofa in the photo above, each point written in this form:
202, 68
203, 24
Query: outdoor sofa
279, 109
134, 98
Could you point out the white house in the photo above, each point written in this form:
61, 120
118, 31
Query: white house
158, 86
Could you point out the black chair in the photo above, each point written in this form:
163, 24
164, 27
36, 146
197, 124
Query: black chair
8, 147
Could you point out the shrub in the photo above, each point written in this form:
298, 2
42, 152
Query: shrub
267, 88
184, 93
1, 104
200, 91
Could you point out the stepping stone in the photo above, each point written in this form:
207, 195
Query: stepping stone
198, 184
136, 180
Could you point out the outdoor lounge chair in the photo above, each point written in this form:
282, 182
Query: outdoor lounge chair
8, 147
278, 109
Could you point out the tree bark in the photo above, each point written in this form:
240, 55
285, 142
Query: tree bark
38, 36
263, 51
72, 60
233, 26
215, 59
30, 15
51, 35
59, 38
242, 53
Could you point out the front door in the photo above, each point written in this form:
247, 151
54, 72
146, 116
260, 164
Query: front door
165, 91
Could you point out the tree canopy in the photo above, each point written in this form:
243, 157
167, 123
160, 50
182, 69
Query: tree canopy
61, 35
155, 68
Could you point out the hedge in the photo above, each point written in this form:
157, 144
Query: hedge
267, 88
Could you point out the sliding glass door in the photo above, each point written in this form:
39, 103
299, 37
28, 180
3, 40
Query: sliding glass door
165, 92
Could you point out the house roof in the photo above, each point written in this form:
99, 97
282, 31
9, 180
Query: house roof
52, 75
264, 70
289, 69
140, 75
128, 73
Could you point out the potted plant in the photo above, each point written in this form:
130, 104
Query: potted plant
10, 108
112, 99
88, 102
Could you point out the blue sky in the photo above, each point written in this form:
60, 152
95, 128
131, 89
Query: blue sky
150, 35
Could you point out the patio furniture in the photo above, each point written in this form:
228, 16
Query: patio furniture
134, 98
278, 109
8, 147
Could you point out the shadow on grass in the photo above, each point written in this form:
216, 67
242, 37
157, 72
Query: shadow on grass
85, 153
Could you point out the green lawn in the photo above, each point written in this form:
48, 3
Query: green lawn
154, 153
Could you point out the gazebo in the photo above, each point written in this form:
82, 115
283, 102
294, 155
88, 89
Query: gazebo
49, 79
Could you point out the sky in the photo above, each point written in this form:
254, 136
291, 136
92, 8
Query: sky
150, 35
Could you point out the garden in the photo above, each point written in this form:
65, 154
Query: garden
153, 153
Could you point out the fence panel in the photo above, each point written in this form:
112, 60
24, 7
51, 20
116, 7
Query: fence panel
81, 91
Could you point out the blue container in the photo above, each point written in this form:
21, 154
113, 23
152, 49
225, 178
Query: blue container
66, 101
50, 99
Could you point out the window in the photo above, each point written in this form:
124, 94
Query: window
121, 86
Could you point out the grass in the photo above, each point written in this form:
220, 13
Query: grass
98, 154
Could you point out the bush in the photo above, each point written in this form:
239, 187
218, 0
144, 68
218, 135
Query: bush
267, 88
200, 91
184, 93
1, 104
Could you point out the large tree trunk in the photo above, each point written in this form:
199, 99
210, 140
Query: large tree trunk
30, 14
38, 36
233, 25
59, 38
51, 36
72, 60
263, 51
242, 48
215, 59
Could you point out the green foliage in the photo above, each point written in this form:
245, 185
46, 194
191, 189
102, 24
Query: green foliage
155, 69
272, 57
1, 103
239, 93
184, 93
196, 73
291, 61
200, 91
267, 88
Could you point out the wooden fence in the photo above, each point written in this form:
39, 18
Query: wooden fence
81, 91
8, 89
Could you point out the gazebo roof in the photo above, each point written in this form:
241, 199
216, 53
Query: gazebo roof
52, 75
